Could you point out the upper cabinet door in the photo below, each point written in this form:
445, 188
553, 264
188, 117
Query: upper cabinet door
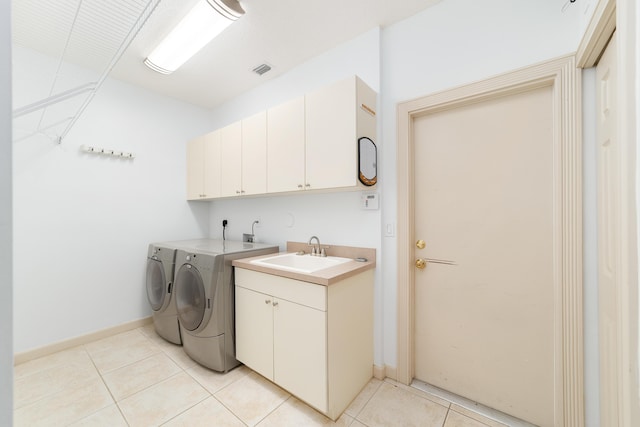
254, 154
231, 160
212, 164
195, 168
285, 147
331, 143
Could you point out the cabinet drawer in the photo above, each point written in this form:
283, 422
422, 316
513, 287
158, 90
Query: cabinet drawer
304, 293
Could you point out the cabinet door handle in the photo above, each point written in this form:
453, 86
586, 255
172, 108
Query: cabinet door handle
275, 303
267, 301
299, 185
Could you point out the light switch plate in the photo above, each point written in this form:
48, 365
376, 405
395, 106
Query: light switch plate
390, 229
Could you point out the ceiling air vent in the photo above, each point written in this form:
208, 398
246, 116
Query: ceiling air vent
261, 69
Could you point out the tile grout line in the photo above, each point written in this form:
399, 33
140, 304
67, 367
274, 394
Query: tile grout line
467, 416
274, 409
234, 414
187, 409
185, 371
424, 394
489, 414
44, 370
229, 409
160, 351
355, 417
221, 388
115, 402
446, 416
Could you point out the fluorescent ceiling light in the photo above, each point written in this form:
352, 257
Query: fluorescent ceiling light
204, 22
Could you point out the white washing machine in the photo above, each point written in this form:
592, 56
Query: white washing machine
204, 295
160, 273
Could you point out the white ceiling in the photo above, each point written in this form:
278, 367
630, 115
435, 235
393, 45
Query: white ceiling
282, 33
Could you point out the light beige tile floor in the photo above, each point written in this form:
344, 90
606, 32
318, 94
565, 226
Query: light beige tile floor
138, 379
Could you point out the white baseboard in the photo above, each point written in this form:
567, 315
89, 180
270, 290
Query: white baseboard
46, 350
382, 372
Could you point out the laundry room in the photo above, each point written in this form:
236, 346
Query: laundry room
100, 170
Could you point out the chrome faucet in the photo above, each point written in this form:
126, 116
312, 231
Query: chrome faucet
315, 251
250, 238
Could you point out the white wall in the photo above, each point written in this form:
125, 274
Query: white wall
82, 222
336, 218
6, 278
586, 10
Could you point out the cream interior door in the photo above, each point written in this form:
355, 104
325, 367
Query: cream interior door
608, 237
484, 199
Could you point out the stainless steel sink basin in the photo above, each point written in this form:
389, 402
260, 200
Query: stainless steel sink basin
300, 263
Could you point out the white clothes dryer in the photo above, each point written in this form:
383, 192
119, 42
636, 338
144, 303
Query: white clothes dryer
159, 277
205, 299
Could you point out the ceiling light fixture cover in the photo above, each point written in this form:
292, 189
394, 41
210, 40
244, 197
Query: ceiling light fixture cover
206, 20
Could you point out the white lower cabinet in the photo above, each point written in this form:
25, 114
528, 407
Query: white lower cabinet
256, 316
312, 340
300, 351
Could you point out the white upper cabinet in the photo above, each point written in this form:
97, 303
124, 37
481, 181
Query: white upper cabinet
212, 178
231, 156
254, 154
285, 147
195, 168
336, 116
308, 143
203, 167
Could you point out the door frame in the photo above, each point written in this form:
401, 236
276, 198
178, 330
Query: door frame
565, 80
622, 16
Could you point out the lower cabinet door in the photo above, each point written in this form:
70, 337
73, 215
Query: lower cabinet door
300, 351
254, 330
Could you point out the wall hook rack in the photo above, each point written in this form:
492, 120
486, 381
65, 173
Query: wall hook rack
107, 152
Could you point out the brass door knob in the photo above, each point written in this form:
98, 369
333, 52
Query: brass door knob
420, 244
421, 264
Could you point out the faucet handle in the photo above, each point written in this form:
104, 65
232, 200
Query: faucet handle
323, 252
313, 250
